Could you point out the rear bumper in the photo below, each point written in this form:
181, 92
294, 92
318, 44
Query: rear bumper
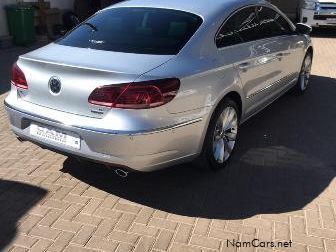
310, 17
141, 151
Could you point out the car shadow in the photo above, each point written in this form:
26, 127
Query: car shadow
284, 160
16, 199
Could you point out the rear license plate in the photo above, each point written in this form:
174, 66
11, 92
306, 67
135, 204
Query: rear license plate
55, 136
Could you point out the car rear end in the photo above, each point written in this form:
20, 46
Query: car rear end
319, 14
83, 96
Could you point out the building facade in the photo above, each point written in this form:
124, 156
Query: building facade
61, 4
287, 6
290, 7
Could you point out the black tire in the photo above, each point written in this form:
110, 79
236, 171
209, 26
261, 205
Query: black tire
300, 87
207, 157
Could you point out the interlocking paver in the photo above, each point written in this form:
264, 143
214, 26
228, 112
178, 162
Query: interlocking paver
102, 244
74, 248
278, 187
123, 247
184, 248
206, 242
83, 235
61, 242
123, 237
125, 222
314, 249
87, 219
91, 206
223, 235
44, 232
184, 233
25, 241
202, 226
69, 226
29, 223
330, 246
281, 231
144, 215
105, 227
164, 240
144, 229
41, 245
145, 244
50, 217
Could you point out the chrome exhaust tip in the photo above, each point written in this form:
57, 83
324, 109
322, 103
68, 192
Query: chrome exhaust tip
121, 173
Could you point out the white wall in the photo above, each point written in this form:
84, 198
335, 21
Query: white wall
61, 4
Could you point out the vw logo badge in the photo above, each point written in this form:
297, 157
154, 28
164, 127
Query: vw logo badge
55, 85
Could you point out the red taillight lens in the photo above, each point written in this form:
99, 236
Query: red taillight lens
18, 77
140, 95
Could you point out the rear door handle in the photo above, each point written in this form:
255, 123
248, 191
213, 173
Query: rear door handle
244, 65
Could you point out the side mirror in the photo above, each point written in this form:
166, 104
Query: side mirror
303, 29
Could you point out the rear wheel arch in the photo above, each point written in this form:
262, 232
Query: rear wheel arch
233, 98
236, 98
232, 95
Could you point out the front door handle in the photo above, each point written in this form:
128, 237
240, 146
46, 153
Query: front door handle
279, 56
283, 54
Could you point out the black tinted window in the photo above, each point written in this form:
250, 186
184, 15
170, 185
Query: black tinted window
135, 30
272, 23
240, 27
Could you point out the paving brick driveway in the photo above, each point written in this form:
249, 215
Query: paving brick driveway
280, 186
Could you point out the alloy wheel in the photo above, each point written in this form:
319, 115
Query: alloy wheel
305, 73
225, 135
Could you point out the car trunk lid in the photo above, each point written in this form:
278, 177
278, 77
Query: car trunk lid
79, 72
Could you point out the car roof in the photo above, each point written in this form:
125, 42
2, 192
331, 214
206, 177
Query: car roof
204, 8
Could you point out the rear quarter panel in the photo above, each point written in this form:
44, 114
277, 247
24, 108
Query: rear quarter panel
204, 82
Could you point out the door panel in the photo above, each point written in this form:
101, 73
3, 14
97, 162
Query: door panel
264, 49
261, 71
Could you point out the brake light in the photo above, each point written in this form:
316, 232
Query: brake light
18, 77
137, 95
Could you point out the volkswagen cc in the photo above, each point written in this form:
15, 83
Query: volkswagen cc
148, 84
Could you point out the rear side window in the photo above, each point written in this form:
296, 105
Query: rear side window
243, 26
135, 30
272, 23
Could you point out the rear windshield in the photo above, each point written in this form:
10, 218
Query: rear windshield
135, 30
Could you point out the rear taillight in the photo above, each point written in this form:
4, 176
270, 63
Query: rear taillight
137, 95
18, 77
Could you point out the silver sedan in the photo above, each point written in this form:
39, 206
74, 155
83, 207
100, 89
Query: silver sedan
148, 84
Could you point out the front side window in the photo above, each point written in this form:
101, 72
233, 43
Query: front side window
272, 24
135, 30
252, 23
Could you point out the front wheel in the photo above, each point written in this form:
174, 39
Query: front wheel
222, 135
303, 81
